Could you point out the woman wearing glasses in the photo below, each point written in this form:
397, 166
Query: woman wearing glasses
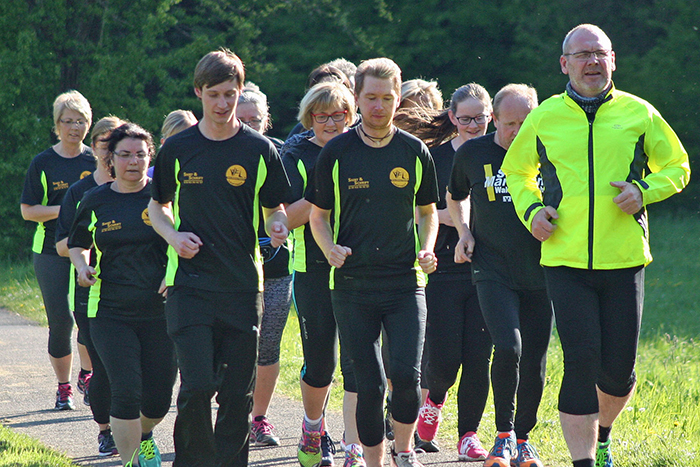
456, 333
125, 306
328, 109
47, 180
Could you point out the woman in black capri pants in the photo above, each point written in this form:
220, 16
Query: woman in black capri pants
125, 306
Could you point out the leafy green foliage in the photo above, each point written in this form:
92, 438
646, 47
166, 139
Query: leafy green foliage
135, 58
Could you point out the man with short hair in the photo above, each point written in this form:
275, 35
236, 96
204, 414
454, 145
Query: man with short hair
509, 279
603, 156
373, 178
208, 185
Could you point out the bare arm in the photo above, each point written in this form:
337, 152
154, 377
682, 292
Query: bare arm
80, 257
298, 213
62, 248
320, 220
39, 212
459, 211
427, 232
276, 225
185, 244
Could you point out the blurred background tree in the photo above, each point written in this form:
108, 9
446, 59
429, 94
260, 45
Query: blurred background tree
135, 58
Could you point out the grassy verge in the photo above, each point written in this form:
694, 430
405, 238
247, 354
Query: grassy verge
18, 450
661, 426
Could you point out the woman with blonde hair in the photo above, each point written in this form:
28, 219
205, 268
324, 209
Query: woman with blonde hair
328, 109
48, 178
97, 391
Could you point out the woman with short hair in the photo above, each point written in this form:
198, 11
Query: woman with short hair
48, 178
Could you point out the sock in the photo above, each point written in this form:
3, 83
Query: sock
259, 418
313, 425
584, 463
145, 436
63, 384
84, 372
438, 404
604, 433
504, 434
521, 440
106, 432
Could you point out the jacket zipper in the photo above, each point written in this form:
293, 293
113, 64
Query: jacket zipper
591, 192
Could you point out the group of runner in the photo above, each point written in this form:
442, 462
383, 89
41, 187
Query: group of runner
403, 231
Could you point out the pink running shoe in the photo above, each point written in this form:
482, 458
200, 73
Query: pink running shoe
429, 419
469, 448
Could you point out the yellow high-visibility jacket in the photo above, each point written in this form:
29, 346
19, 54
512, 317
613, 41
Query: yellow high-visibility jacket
628, 140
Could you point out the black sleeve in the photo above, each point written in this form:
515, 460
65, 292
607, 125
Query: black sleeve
34, 191
275, 190
460, 186
66, 215
164, 182
321, 190
427, 191
296, 181
80, 234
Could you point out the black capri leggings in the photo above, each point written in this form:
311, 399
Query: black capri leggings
140, 361
100, 393
53, 275
319, 332
456, 335
360, 316
520, 323
598, 313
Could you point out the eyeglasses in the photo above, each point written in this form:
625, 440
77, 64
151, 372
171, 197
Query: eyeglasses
479, 119
585, 55
252, 121
335, 116
80, 123
128, 155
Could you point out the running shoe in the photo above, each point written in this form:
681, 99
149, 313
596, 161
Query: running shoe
149, 455
309, 449
64, 397
107, 446
261, 431
469, 448
424, 446
354, 456
404, 459
429, 419
504, 449
84, 387
527, 455
327, 450
388, 421
603, 457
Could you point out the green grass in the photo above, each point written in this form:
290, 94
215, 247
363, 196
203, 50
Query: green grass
659, 428
17, 450
20, 293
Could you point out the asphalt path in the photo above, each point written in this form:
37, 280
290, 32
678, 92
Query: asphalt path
27, 396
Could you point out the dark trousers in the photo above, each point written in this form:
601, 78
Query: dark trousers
214, 358
53, 275
360, 316
100, 392
520, 323
455, 336
599, 314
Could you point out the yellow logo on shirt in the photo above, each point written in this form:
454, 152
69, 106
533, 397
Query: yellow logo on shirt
60, 185
85, 174
145, 218
192, 178
236, 175
399, 177
109, 226
357, 183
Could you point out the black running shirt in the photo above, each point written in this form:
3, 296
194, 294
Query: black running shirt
504, 250
217, 188
374, 193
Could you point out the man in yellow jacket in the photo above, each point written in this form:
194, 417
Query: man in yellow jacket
603, 155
